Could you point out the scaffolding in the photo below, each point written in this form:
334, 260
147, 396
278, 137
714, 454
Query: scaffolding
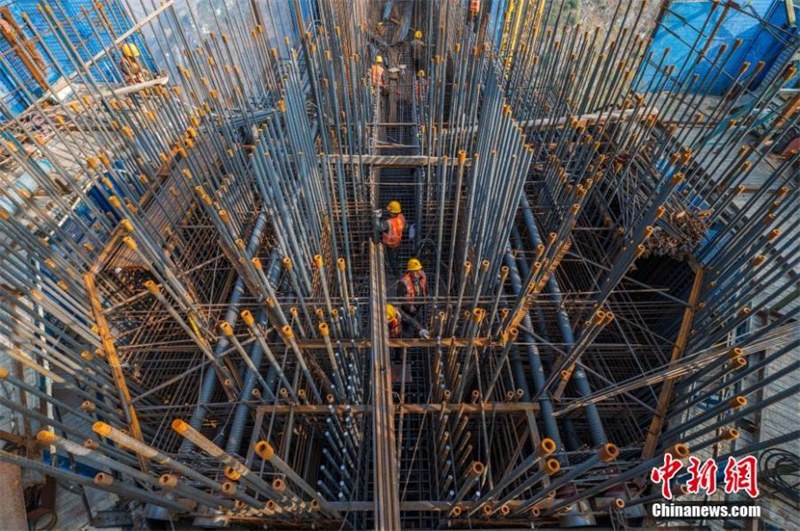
192, 271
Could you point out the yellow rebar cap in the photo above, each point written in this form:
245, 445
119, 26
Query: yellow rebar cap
45, 437
264, 450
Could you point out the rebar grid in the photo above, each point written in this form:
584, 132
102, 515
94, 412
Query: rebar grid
199, 262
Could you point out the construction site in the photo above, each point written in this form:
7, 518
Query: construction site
410, 264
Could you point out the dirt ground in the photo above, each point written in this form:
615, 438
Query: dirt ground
600, 12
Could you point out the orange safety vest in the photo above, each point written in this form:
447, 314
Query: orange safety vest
394, 235
411, 286
394, 327
474, 6
377, 75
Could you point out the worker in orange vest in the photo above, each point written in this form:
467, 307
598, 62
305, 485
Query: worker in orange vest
392, 235
412, 286
131, 67
396, 321
474, 7
393, 321
378, 78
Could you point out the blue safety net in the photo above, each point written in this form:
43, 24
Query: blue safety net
59, 36
692, 34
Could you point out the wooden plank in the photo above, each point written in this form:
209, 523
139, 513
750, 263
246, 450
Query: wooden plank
404, 342
113, 361
665, 396
413, 409
791, 17
12, 510
23, 47
397, 161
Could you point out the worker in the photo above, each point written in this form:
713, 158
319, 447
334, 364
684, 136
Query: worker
131, 67
474, 7
412, 286
418, 52
378, 79
392, 235
393, 321
421, 85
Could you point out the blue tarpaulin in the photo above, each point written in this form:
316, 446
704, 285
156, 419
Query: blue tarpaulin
762, 25
86, 36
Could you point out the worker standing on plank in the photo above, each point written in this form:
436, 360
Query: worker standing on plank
421, 86
393, 321
131, 67
418, 51
412, 286
392, 235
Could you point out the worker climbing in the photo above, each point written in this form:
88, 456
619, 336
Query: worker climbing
392, 234
378, 75
412, 287
421, 86
131, 67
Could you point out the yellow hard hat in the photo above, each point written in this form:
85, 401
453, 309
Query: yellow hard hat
394, 207
391, 313
414, 265
418, 34
379, 59
421, 73
130, 50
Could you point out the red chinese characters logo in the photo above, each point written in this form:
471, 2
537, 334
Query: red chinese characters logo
664, 474
703, 476
740, 475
